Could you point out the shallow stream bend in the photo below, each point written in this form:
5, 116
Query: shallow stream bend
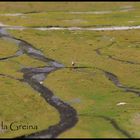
34, 77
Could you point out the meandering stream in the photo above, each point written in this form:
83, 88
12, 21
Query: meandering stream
33, 76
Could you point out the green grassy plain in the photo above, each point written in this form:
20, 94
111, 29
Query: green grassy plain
96, 94
62, 14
